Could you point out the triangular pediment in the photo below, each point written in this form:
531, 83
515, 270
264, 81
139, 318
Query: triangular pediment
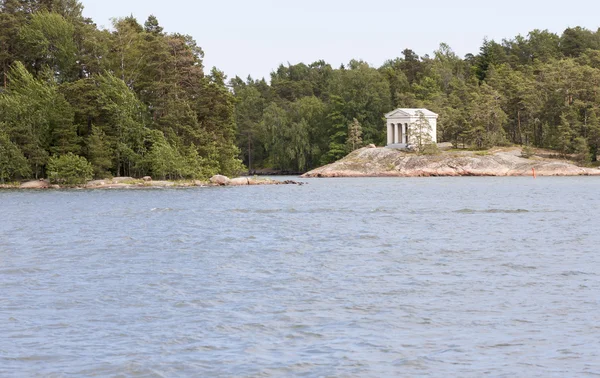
397, 113
409, 112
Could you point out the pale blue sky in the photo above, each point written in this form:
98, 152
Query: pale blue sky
244, 37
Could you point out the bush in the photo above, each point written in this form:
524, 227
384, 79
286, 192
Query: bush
527, 152
430, 149
69, 169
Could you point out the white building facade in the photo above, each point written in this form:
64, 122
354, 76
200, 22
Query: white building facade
400, 121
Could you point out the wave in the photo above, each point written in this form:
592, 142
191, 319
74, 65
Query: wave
491, 211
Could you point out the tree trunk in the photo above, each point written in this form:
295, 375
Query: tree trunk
249, 153
519, 126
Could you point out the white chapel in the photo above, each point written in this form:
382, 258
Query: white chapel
399, 124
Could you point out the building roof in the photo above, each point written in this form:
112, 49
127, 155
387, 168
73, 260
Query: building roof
410, 112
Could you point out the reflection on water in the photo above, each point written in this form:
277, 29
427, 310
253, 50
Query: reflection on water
340, 277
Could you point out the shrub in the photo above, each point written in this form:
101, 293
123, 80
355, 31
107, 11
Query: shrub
69, 169
527, 152
430, 149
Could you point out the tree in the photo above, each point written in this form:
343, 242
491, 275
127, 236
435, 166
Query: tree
248, 114
354, 140
420, 132
365, 95
565, 135
69, 169
582, 150
123, 123
48, 42
575, 41
310, 112
13, 164
37, 117
593, 134
99, 152
164, 160
487, 118
151, 25
337, 131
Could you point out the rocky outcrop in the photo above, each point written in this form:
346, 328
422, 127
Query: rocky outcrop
36, 184
242, 181
131, 183
128, 182
378, 162
219, 180
238, 181
123, 180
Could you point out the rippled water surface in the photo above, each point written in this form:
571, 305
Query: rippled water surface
340, 277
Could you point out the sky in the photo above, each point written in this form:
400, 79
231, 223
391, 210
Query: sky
253, 37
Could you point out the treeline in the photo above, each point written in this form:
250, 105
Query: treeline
540, 90
132, 101
135, 100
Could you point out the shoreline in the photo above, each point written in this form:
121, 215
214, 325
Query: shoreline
132, 183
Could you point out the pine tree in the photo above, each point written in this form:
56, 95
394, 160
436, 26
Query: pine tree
354, 140
420, 132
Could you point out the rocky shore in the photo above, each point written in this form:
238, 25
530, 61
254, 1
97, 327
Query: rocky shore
387, 162
147, 182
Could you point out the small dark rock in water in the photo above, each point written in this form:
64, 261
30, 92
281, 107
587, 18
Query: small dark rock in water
292, 182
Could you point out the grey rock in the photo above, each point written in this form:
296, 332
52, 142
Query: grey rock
239, 181
36, 184
219, 180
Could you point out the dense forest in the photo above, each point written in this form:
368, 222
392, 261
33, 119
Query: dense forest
135, 100
131, 101
539, 91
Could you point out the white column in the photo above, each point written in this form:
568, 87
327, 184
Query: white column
404, 134
389, 133
395, 133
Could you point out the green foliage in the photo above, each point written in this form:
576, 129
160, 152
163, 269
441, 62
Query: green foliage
73, 88
420, 132
164, 160
136, 100
49, 37
354, 140
538, 90
37, 117
69, 169
430, 149
99, 152
13, 164
582, 150
527, 152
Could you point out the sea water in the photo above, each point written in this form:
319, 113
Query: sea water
340, 277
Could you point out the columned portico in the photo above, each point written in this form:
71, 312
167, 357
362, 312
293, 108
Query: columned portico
399, 129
